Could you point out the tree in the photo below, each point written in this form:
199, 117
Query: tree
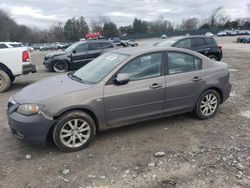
218, 17
97, 24
56, 31
110, 30
126, 30
160, 25
190, 24
74, 28
140, 26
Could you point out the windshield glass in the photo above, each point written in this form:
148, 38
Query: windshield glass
166, 43
100, 67
72, 47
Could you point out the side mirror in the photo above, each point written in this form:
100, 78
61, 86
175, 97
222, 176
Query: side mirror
74, 51
122, 78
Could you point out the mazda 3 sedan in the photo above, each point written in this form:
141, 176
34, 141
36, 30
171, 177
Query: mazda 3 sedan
120, 87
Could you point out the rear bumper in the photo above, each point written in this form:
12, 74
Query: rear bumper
227, 92
31, 129
30, 68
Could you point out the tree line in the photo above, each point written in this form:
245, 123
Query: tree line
75, 28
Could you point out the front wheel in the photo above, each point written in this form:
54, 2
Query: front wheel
207, 104
60, 66
74, 131
5, 81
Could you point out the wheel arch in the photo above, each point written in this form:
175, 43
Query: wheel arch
218, 90
88, 111
6, 69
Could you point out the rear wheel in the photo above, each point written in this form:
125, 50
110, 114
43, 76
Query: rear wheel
60, 66
207, 104
5, 81
213, 57
74, 131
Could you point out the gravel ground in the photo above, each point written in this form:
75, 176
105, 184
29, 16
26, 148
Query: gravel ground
193, 153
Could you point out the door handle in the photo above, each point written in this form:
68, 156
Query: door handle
155, 85
196, 79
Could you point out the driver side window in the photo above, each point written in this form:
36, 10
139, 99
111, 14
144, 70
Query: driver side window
143, 67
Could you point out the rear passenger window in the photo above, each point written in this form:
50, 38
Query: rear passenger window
197, 42
181, 62
106, 45
186, 43
210, 41
94, 46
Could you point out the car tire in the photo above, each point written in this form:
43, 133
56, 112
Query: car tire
207, 104
213, 57
74, 131
60, 66
5, 81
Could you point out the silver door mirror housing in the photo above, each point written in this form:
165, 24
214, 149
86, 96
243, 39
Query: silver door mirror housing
122, 78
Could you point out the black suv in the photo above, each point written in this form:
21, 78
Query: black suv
76, 55
202, 44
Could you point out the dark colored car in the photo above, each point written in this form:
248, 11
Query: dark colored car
120, 87
202, 44
76, 55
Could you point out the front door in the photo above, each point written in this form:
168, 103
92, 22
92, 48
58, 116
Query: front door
142, 96
80, 56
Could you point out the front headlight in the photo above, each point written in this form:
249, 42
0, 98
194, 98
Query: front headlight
29, 109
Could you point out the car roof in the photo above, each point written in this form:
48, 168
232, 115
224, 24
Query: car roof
95, 41
149, 49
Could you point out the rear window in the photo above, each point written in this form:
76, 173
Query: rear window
197, 42
210, 41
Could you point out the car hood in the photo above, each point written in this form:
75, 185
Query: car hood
48, 88
49, 55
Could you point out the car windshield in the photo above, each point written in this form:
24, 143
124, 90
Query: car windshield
166, 43
72, 47
100, 67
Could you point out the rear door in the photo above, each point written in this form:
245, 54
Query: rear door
184, 81
94, 50
142, 96
198, 44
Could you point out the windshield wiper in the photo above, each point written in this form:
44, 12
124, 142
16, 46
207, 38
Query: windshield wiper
74, 77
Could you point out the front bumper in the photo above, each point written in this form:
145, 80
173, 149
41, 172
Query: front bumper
48, 64
30, 68
31, 129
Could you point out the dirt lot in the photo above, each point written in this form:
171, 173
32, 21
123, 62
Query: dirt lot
211, 153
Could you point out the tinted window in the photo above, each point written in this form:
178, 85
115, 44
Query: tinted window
82, 48
94, 46
181, 62
3, 46
197, 42
146, 66
186, 43
106, 45
210, 41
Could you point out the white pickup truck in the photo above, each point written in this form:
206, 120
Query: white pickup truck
14, 62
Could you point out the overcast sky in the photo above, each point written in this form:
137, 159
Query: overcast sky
43, 13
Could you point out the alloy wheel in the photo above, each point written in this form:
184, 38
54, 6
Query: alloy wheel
208, 104
75, 133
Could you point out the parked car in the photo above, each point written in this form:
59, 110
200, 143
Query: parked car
246, 39
230, 33
14, 62
132, 43
96, 35
221, 34
10, 44
163, 36
209, 34
240, 39
202, 44
118, 42
76, 55
121, 87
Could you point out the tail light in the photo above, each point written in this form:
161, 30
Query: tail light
220, 47
26, 56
